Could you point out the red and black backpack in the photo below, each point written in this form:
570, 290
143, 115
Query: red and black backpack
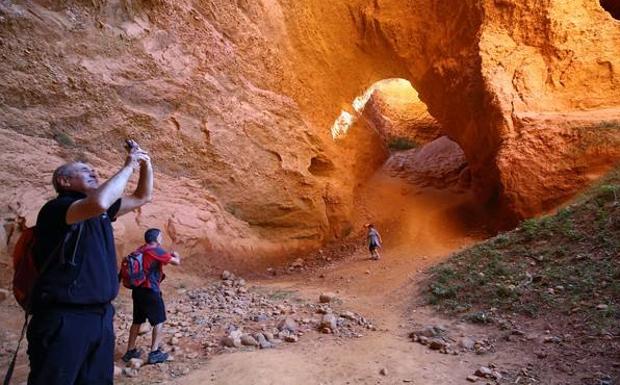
132, 273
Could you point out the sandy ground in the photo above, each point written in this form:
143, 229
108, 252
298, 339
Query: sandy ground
419, 229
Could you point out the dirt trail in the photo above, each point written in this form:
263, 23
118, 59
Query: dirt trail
419, 229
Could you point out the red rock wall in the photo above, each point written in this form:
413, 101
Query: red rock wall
236, 100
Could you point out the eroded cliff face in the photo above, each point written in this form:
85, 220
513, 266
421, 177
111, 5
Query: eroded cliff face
235, 101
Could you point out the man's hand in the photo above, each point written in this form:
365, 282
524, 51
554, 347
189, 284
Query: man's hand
176, 258
135, 155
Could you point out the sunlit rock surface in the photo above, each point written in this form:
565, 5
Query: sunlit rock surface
235, 101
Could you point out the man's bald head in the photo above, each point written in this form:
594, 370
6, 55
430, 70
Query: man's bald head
74, 176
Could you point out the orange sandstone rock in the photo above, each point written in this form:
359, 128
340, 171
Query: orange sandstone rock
235, 100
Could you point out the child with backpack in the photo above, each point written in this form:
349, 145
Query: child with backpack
374, 241
142, 272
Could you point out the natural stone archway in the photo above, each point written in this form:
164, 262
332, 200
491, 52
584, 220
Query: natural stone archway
235, 100
395, 108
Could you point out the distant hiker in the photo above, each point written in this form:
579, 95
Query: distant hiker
374, 241
71, 334
148, 303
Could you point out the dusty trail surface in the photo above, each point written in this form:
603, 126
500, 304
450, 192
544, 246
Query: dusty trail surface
419, 228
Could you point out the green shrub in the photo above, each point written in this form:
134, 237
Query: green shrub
400, 144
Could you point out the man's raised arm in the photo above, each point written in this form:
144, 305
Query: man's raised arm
144, 191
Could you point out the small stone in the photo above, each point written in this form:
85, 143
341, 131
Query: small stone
299, 263
248, 340
602, 307
484, 372
348, 315
136, 363
236, 334
227, 275
262, 342
174, 341
231, 342
467, 343
291, 338
288, 324
329, 321
327, 297
552, 340
383, 372
130, 372
437, 344
472, 378
430, 331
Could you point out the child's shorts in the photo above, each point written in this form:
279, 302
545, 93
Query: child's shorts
148, 305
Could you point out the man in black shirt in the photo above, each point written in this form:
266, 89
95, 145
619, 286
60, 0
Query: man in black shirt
71, 335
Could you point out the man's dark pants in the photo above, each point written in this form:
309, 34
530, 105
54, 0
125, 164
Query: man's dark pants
72, 346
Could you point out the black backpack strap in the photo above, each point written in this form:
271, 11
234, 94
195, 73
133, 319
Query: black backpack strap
62, 247
9, 371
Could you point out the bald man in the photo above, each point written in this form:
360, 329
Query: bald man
71, 335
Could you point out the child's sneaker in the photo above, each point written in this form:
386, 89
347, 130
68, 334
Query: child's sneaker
133, 353
157, 356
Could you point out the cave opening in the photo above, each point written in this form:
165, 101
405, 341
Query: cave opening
420, 193
612, 7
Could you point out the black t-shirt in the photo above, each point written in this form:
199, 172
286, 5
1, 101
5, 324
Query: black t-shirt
89, 277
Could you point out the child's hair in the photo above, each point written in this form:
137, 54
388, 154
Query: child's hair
371, 226
151, 235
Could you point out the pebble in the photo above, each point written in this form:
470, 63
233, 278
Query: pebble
227, 275
130, 372
262, 341
291, 338
329, 321
288, 324
327, 297
231, 342
383, 372
136, 363
484, 372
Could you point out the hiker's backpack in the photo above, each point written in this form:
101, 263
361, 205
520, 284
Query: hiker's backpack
26, 274
25, 270
132, 273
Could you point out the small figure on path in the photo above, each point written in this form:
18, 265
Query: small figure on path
374, 241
